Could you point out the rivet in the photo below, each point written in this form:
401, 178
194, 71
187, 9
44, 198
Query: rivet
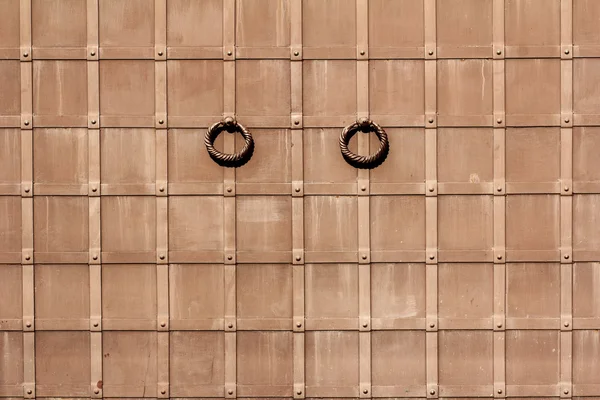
28, 324
499, 120
26, 123
432, 392
162, 256
26, 189
499, 391
163, 391
96, 391
566, 51
229, 120
365, 391
499, 188
566, 188
431, 189
92, 53
161, 121
298, 258
94, 189
296, 122
365, 325
364, 256
296, 53
432, 325
362, 52
95, 257
29, 391
567, 120
431, 120
230, 326
298, 324
498, 52
229, 190
230, 392
499, 256
93, 122
566, 326
163, 324
566, 391
297, 190
28, 257
499, 325
160, 53
161, 189
95, 324
430, 52
363, 188
431, 257
25, 54
299, 392
230, 257
566, 256
229, 53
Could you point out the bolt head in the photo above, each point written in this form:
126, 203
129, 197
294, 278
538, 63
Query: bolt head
228, 120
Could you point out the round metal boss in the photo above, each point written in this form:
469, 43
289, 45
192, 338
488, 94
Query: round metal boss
229, 160
366, 162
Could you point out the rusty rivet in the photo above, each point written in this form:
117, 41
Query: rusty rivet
28, 257
229, 53
499, 391
366, 391
498, 52
95, 324
163, 391
161, 121
430, 52
96, 391
298, 258
230, 326
26, 123
566, 326
432, 392
432, 325
29, 391
499, 120
298, 324
93, 122
28, 324
162, 256
230, 392
566, 391
566, 256
567, 52
230, 257
431, 120
499, 256
92, 53
160, 53
25, 54
362, 52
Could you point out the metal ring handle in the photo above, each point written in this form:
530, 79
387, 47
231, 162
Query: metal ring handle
364, 162
229, 160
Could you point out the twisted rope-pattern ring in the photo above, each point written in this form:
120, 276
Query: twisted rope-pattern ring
229, 160
365, 162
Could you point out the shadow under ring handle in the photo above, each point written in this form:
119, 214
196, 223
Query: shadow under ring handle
229, 160
364, 162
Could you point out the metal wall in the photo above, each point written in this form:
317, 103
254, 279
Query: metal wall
465, 265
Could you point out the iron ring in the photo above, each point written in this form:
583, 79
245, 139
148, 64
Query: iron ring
229, 160
364, 162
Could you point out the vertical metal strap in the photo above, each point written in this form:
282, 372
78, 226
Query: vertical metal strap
229, 236
297, 197
566, 200
162, 254
363, 190
94, 258
27, 201
431, 201
499, 200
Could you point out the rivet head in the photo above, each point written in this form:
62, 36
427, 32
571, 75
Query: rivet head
499, 188
431, 120
365, 325
95, 257
296, 122
499, 391
26, 189
229, 190
229, 53
28, 324
363, 188
26, 123
499, 324
364, 256
28, 257
163, 324
498, 52
566, 324
566, 188
567, 120
163, 391
567, 51
431, 257
566, 391
365, 391
430, 52
298, 258
299, 392
298, 324
432, 325
230, 326
230, 392
230, 257
161, 121
362, 52
162, 256
499, 256
431, 189
566, 256
25, 54
499, 120
296, 53
432, 392
29, 391
96, 391
95, 324
92, 53
94, 189
160, 53
161, 189
297, 190
228, 120
93, 122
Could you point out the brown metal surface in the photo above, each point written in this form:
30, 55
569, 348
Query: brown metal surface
467, 264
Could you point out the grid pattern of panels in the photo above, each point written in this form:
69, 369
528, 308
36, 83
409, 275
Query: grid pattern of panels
466, 265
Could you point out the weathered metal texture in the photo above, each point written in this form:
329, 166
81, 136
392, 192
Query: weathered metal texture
467, 264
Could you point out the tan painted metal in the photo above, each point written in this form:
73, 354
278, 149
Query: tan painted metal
466, 265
